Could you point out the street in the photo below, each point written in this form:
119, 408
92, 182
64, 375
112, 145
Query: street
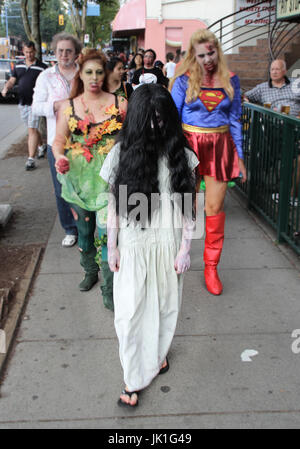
233, 362
9, 119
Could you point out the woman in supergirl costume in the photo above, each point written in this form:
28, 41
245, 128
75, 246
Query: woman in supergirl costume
208, 99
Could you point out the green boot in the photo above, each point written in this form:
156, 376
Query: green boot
107, 277
87, 261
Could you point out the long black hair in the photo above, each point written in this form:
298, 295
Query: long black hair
132, 64
152, 129
111, 64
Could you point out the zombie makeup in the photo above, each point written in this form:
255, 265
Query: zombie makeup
207, 57
92, 75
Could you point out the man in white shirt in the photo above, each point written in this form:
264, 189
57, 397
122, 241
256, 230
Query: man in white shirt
50, 91
170, 66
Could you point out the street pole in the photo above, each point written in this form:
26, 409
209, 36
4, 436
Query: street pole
6, 25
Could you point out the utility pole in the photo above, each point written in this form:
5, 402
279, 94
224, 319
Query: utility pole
6, 26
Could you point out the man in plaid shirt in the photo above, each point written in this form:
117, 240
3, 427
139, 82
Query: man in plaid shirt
279, 90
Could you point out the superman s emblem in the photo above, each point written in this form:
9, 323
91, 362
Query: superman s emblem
211, 98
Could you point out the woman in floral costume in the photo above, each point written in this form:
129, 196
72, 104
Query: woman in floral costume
86, 129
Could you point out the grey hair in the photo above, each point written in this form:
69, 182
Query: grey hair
283, 63
66, 37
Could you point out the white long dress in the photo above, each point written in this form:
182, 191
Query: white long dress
147, 290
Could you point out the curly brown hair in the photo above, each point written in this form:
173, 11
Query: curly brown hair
87, 54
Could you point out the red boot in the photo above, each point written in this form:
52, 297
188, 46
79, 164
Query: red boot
212, 252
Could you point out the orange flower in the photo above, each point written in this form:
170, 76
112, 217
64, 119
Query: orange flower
83, 125
87, 154
68, 143
72, 124
107, 147
114, 126
112, 110
76, 150
91, 140
68, 110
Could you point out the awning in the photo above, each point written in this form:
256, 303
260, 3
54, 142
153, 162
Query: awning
174, 36
131, 16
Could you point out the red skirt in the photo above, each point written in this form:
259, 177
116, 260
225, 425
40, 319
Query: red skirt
216, 152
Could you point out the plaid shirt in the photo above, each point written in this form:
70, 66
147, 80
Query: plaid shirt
288, 94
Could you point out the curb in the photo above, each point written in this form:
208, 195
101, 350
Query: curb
8, 333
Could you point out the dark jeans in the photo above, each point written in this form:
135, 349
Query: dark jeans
65, 215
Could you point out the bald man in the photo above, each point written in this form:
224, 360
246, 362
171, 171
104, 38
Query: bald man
278, 91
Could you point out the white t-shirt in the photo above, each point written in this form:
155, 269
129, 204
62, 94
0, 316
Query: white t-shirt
170, 69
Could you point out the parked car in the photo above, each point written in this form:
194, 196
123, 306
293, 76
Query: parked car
6, 67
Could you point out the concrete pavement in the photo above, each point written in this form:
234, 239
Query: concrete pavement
12, 129
65, 370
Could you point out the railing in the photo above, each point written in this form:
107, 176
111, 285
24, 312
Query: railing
282, 34
232, 34
271, 144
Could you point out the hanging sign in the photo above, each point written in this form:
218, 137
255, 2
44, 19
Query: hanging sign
288, 9
255, 15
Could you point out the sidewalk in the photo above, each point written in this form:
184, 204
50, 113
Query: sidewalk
65, 370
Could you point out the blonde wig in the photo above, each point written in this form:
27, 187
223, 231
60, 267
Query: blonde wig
191, 66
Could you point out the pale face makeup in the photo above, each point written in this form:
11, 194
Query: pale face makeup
207, 57
65, 54
92, 75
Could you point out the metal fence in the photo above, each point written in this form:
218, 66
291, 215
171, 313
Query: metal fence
271, 143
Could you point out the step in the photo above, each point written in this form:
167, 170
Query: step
258, 51
5, 214
262, 43
246, 65
251, 57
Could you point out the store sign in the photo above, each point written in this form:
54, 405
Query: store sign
93, 9
254, 15
288, 9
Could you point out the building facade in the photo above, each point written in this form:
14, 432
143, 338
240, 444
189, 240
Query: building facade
165, 25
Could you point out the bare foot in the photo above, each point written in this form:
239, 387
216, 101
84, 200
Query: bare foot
164, 364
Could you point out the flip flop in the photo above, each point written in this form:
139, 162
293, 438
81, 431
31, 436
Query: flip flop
125, 404
165, 368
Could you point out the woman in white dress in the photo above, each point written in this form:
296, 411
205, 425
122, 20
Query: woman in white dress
150, 171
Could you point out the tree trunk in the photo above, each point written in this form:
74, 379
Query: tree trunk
24, 12
83, 19
35, 26
33, 32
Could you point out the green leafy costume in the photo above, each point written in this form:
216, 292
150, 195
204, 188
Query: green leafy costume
87, 147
